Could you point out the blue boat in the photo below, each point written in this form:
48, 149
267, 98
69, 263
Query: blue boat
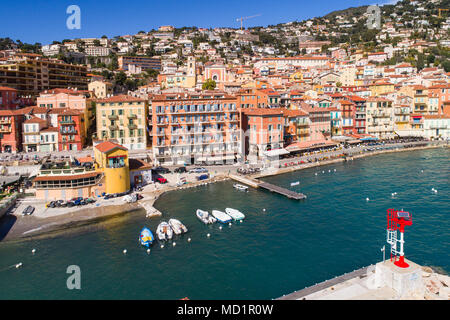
146, 238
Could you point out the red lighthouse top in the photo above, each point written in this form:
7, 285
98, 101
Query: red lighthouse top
397, 220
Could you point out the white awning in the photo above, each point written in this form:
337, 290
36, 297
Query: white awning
276, 152
341, 138
410, 133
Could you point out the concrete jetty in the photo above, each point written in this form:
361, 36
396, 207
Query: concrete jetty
383, 281
268, 186
283, 191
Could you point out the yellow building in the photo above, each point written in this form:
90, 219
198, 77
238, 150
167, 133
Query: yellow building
380, 87
112, 160
101, 89
123, 118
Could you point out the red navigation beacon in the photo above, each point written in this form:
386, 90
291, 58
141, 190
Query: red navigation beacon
397, 220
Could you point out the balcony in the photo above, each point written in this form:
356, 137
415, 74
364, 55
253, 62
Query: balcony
113, 127
5, 121
68, 131
5, 130
132, 126
65, 122
113, 117
132, 116
438, 126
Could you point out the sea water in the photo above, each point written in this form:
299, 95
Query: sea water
282, 245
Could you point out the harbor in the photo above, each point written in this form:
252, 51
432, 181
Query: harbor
277, 235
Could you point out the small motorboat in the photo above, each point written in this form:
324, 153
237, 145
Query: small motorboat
221, 216
235, 214
164, 231
177, 226
205, 217
240, 187
146, 238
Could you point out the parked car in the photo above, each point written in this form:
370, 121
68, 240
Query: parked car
161, 170
203, 177
197, 170
28, 211
161, 180
181, 170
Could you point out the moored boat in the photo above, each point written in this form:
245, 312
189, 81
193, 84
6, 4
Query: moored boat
221, 216
205, 217
177, 226
164, 231
235, 214
240, 187
146, 237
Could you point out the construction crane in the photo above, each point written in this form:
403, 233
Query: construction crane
440, 10
246, 18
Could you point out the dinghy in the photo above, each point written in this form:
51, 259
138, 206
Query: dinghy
235, 214
221, 216
164, 231
205, 217
146, 238
177, 226
240, 187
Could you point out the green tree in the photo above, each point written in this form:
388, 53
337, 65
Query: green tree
209, 85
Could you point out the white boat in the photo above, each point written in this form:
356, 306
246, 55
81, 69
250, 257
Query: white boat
221, 216
205, 217
240, 187
177, 226
235, 214
164, 231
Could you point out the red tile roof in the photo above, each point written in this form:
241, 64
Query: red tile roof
106, 146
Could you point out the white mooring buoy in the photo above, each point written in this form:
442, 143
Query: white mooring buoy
189, 239
220, 227
125, 251
367, 199
148, 251
208, 235
174, 244
18, 265
33, 251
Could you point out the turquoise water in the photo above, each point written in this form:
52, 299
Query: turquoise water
290, 245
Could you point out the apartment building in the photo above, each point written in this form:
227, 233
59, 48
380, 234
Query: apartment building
8, 98
199, 127
264, 131
123, 118
71, 130
101, 89
30, 74
380, 119
32, 133
142, 62
11, 131
78, 100
97, 51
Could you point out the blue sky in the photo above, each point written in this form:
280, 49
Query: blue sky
44, 21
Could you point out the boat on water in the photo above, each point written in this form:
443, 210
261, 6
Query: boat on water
164, 231
235, 214
177, 226
221, 216
205, 217
240, 187
146, 237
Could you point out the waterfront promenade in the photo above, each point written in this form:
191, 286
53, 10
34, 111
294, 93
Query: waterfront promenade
55, 217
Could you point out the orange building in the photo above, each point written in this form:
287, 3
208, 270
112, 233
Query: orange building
263, 130
194, 127
10, 131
